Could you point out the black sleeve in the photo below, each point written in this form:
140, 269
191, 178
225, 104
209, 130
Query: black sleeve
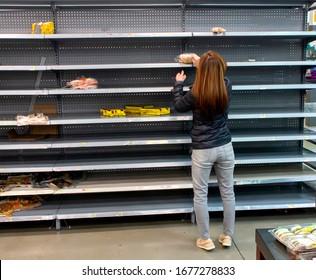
229, 93
228, 88
183, 101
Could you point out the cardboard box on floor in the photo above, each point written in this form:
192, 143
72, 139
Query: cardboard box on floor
48, 110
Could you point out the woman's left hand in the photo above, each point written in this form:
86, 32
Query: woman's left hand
181, 77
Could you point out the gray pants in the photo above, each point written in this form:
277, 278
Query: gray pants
223, 159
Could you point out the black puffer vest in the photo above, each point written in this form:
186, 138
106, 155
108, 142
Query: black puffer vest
204, 134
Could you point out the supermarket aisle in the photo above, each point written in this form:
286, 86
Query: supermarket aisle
152, 238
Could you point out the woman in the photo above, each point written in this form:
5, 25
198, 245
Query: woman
211, 141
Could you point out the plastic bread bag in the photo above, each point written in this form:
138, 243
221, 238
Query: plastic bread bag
83, 83
185, 58
218, 30
32, 119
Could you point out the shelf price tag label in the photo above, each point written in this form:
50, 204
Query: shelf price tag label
262, 116
119, 214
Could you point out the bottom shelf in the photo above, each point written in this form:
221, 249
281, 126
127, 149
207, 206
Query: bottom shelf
259, 197
135, 204
45, 212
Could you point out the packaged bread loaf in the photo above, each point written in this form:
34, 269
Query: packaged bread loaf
185, 58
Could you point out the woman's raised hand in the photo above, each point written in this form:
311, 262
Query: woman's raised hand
195, 60
181, 77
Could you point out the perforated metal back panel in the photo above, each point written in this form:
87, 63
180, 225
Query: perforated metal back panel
275, 124
268, 146
265, 75
125, 151
18, 129
113, 129
126, 77
119, 51
20, 21
244, 19
27, 52
253, 100
258, 75
20, 105
80, 103
27, 80
241, 49
122, 20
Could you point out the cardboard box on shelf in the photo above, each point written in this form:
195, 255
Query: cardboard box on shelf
48, 110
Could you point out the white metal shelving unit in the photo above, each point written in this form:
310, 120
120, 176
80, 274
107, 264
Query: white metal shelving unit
147, 157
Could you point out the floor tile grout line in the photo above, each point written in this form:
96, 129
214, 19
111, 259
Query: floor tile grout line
238, 250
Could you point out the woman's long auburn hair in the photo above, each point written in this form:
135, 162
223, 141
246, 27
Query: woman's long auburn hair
209, 88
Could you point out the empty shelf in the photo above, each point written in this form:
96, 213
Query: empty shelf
97, 118
104, 35
256, 34
27, 164
285, 173
260, 156
117, 206
122, 140
266, 197
28, 191
105, 162
266, 135
132, 181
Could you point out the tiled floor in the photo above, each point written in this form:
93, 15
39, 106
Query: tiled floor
151, 238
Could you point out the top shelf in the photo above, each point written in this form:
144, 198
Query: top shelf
100, 35
119, 35
107, 35
297, 34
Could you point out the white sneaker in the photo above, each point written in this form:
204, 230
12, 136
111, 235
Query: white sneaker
225, 240
206, 244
